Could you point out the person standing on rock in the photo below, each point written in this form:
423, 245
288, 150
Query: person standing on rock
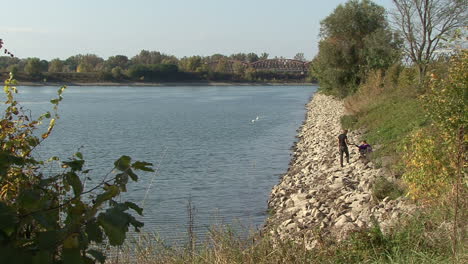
343, 145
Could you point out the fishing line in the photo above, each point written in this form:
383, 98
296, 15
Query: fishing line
154, 176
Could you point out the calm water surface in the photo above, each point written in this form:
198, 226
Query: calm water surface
202, 139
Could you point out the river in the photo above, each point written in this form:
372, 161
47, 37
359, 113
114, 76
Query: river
223, 148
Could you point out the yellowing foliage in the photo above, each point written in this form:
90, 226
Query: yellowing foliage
428, 168
433, 154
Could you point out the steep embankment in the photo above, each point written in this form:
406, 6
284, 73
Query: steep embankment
317, 198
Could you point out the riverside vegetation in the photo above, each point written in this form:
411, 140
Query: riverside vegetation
50, 217
147, 66
406, 205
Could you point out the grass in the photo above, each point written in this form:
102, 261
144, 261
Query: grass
383, 188
388, 123
388, 109
388, 116
419, 239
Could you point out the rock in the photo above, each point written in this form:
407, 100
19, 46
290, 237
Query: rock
395, 215
341, 221
336, 186
287, 222
317, 194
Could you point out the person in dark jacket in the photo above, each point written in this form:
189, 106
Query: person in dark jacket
343, 146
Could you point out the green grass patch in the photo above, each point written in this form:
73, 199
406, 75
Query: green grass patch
388, 122
384, 188
348, 121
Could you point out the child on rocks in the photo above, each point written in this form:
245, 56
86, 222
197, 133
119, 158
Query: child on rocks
364, 149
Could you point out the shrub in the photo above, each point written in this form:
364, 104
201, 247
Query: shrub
383, 188
104, 75
54, 218
366, 95
157, 72
408, 84
426, 159
348, 121
435, 155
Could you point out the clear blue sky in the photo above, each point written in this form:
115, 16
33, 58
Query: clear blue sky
61, 28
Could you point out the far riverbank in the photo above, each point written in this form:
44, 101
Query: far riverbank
26, 83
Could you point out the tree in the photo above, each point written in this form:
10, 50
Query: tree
92, 62
33, 67
138, 71
56, 65
222, 66
14, 68
424, 23
350, 37
381, 50
84, 63
250, 74
170, 60
252, 57
117, 61
239, 68
300, 56
44, 65
155, 72
239, 57
84, 67
217, 57
152, 57
433, 155
191, 64
117, 73
263, 56
71, 63
6, 61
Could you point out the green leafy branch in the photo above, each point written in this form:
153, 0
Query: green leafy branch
54, 219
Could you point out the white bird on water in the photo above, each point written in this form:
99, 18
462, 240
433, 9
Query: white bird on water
256, 119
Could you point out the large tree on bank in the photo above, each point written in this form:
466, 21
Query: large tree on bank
424, 23
355, 39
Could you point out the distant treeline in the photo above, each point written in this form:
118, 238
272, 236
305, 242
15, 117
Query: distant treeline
147, 66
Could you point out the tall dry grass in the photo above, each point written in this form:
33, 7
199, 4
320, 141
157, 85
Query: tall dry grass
397, 82
420, 238
366, 94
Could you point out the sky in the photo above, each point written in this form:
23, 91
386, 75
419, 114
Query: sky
61, 28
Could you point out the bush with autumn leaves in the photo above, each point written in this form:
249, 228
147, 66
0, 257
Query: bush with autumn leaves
54, 218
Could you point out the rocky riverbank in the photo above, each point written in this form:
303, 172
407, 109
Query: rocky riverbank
318, 198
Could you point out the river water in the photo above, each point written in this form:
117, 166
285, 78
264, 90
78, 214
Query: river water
223, 148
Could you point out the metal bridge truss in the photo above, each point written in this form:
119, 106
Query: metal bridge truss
275, 65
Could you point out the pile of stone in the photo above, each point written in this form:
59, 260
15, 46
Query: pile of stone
318, 198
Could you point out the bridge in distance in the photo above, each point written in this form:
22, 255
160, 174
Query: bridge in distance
274, 65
